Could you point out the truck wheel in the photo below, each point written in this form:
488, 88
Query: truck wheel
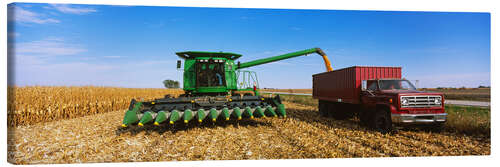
323, 108
381, 121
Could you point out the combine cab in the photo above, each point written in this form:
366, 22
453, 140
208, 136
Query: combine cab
216, 88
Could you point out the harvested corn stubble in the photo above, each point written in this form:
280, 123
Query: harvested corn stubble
303, 134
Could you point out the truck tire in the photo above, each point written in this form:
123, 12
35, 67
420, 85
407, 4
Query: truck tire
323, 108
381, 121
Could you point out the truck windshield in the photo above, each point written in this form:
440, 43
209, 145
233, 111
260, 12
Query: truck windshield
396, 85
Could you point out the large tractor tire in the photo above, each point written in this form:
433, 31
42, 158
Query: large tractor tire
381, 121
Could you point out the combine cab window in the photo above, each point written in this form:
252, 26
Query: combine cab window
210, 74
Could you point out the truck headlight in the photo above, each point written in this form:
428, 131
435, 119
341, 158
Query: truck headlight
404, 101
437, 101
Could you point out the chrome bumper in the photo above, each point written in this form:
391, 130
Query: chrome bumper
418, 118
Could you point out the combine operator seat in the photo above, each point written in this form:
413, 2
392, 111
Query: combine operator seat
210, 73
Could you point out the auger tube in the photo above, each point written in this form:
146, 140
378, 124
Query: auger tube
287, 56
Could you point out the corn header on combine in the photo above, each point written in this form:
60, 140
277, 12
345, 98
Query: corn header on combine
216, 88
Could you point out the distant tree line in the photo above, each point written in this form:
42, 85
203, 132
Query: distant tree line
463, 87
171, 83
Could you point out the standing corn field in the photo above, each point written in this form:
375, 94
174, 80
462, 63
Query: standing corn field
29, 105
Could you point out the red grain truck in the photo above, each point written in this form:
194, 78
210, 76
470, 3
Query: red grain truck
378, 96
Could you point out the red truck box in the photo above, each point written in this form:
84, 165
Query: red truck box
344, 85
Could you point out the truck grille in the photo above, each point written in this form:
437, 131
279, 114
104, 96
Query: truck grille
421, 101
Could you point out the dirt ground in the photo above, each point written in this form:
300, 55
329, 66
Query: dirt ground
303, 134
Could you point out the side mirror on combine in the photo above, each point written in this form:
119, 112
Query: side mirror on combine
363, 85
178, 64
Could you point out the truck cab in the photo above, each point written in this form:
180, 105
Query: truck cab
406, 104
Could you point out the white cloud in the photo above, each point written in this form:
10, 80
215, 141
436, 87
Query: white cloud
113, 57
28, 60
21, 15
64, 8
48, 47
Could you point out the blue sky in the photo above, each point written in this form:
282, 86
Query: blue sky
134, 46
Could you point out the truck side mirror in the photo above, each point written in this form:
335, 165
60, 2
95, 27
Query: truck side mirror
363, 85
178, 64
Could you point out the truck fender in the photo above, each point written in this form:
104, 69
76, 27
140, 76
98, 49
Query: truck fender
393, 108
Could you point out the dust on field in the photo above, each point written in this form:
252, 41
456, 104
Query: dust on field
304, 134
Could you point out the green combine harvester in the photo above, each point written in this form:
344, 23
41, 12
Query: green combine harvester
216, 88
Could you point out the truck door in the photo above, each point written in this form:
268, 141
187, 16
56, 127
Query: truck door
368, 96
